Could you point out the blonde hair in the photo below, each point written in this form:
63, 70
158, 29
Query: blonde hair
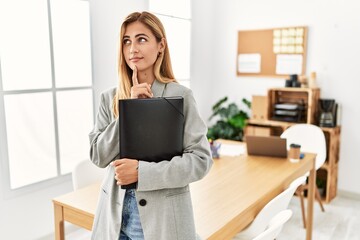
162, 67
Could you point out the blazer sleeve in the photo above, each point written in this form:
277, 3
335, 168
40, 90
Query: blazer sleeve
104, 137
194, 163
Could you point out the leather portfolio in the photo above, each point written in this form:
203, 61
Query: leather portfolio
151, 129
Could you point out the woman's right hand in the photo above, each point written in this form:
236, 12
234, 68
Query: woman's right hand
142, 90
126, 170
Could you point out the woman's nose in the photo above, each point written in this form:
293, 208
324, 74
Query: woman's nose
133, 49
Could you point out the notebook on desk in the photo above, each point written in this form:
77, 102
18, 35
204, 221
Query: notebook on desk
270, 146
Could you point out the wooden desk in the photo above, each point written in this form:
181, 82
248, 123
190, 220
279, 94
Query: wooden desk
237, 188
224, 202
76, 207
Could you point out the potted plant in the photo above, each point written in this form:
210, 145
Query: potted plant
320, 183
231, 120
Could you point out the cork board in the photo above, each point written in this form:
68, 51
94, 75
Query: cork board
276, 52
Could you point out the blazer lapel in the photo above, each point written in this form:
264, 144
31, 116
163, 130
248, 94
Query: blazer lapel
158, 88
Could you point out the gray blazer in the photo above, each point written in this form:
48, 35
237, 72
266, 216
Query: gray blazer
167, 213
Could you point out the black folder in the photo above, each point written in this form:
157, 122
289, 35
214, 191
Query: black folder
151, 129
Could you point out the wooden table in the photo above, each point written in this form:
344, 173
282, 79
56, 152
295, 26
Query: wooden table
224, 202
76, 207
237, 188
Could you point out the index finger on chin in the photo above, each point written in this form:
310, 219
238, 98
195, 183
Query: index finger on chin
134, 77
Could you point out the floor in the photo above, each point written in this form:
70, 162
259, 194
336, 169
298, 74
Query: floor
340, 221
77, 233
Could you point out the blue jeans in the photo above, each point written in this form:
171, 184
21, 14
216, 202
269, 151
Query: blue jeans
131, 226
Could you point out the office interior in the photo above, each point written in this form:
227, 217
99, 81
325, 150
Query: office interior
333, 53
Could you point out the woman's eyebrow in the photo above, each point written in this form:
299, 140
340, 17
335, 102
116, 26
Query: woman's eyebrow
137, 35
141, 35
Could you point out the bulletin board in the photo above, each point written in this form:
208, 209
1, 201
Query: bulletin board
276, 52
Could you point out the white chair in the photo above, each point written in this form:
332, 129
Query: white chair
276, 205
85, 173
275, 226
312, 140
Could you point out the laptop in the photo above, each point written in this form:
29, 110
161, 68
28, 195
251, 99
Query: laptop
270, 146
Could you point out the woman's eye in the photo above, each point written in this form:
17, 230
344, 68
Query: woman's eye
142, 40
126, 42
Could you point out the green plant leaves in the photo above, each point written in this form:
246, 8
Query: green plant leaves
223, 130
231, 121
238, 121
246, 102
219, 103
232, 110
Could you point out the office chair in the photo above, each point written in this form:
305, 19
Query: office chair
312, 140
86, 173
275, 226
272, 208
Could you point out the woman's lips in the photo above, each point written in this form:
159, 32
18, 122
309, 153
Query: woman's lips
136, 59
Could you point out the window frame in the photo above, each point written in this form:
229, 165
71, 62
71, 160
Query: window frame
186, 81
5, 184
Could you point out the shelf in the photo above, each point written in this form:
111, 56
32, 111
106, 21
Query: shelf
325, 166
332, 137
305, 101
270, 123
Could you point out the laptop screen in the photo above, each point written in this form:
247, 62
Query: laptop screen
271, 146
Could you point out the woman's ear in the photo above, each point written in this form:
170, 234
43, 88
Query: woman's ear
162, 45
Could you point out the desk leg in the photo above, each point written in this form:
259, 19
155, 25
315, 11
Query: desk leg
310, 207
59, 222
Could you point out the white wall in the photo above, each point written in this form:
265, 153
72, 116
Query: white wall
30, 215
202, 52
333, 52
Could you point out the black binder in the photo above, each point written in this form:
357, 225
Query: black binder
151, 129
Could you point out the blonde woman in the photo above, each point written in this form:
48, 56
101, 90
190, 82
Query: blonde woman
160, 207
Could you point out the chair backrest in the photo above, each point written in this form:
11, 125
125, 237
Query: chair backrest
86, 173
276, 205
275, 226
310, 137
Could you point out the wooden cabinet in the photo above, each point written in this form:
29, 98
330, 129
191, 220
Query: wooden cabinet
293, 104
327, 175
329, 171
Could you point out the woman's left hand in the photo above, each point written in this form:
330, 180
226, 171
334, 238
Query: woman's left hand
126, 171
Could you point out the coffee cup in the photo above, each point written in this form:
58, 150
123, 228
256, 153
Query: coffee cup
294, 152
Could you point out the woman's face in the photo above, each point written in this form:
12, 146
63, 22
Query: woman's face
140, 47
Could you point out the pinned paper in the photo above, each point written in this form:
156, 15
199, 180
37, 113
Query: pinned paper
249, 63
289, 64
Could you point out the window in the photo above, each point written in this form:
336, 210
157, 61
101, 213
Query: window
176, 17
46, 101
